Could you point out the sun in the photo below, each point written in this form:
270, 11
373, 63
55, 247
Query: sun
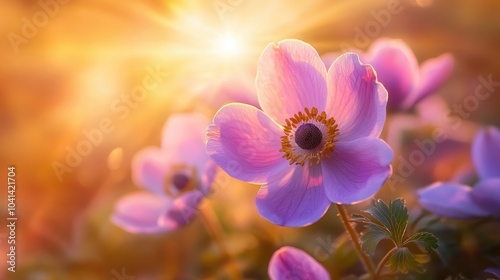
228, 45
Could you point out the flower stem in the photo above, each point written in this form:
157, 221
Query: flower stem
367, 263
384, 261
214, 229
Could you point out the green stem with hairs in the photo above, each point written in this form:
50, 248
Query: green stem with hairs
367, 263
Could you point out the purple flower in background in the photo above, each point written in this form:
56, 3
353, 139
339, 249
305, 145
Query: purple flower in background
289, 263
493, 271
229, 88
314, 142
176, 177
455, 200
398, 70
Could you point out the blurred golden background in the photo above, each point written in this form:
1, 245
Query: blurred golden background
69, 68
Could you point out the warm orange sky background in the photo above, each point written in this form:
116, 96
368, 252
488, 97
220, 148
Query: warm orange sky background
62, 75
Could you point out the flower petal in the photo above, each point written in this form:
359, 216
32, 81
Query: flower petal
486, 152
245, 143
396, 67
296, 199
184, 139
495, 271
139, 212
450, 200
208, 177
329, 58
290, 77
289, 263
184, 209
149, 169
356, 170
486, 194
433, 73
355, 100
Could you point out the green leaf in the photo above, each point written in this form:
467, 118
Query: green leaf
372, 236
390, 221
403, 260
383, 222
425, 239
449, 246
394, 217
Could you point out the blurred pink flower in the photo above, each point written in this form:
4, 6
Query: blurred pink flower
176, 177
230, 88
494, 271
314, 142
398, 70
290, 263
455, 200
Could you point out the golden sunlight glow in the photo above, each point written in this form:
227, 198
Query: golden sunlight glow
198, 44
217, 43
228, 45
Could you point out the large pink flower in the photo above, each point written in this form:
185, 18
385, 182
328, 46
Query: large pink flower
314, 142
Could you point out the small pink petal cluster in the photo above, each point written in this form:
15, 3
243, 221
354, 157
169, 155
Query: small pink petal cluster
175, 178
455, 200
315, 141
289, 263
398, 70
229, 88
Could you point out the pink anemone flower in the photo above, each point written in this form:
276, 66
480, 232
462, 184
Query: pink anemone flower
397, 69
455, 200
314, 142
175, 179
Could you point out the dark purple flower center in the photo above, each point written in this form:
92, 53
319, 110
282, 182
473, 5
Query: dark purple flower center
180, 181
308, 136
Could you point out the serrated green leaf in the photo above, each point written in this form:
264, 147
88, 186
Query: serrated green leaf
425, 239
382, 222
394, 217
374, 232
448, 242
403, 260
372, 236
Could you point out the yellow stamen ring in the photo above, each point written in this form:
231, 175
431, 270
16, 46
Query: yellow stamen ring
296, 154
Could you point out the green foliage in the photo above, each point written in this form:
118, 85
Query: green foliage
390, 222
403, 260
372, 236
426, 240
393, 217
